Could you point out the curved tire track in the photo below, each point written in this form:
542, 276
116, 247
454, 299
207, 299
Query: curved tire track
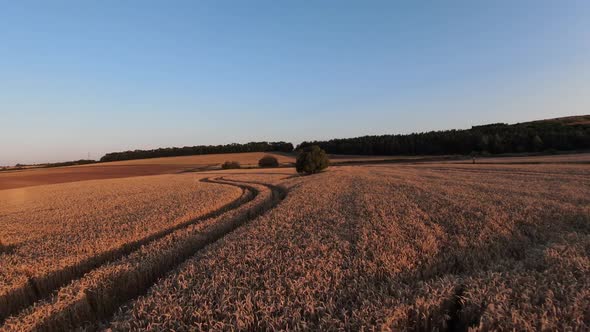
98, 294
38, 288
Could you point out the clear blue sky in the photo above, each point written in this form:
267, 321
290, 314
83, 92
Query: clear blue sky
101, 76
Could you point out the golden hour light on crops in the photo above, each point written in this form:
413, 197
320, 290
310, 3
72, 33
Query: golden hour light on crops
428, 246
294, 166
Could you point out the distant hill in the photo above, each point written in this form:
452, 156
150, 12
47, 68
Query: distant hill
560, 134
567, 120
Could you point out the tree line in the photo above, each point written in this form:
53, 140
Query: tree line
540, 136
199, 150
48, 165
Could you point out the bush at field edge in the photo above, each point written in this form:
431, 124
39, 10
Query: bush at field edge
312, 160
231, 165
268, 161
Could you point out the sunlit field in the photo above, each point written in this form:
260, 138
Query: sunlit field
429, 246
154, 166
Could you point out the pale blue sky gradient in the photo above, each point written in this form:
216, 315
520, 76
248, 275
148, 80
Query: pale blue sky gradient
102, 76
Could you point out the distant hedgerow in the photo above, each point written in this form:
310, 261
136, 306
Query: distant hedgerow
231, 165
312, 160
268, 161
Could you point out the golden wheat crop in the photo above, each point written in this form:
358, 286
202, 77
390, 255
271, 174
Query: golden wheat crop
574, 158
58, 232
381, 247
99, 293
433, 247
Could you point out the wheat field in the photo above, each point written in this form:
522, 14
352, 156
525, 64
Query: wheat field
58, 232
425, 247
393, 248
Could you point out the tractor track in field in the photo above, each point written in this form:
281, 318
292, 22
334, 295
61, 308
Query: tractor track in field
226, 219
38, 288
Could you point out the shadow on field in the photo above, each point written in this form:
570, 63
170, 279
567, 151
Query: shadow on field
7, 248
524, 247
413, 294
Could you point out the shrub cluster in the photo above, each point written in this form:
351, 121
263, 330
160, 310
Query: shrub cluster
268, 161
231, 165
312, 160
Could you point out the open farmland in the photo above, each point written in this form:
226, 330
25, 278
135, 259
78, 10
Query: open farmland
434, 246
44, 176
130, 168
55, 233
568, 158
154, 166
246, 159
394, 247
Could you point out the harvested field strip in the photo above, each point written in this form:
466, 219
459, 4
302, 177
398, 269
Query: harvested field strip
99, 293
40, 287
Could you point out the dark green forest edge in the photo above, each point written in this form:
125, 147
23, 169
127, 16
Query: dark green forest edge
19, 167
561, 134
200, 149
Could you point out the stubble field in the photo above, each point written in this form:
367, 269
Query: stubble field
385, 247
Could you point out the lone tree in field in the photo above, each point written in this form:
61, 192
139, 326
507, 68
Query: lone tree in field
312, 160
268, 161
